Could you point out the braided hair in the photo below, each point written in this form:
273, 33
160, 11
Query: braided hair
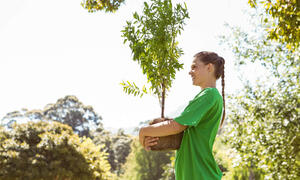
219, 64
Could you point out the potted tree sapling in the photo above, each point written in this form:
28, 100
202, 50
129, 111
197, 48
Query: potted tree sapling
152, 39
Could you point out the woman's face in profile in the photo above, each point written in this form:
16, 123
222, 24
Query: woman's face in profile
199, 72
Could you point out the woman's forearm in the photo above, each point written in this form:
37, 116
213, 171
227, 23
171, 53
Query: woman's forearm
162, 129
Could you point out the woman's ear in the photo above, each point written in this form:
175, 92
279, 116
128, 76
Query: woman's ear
210, 67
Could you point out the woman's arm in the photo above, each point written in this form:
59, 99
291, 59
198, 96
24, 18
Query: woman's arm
164, 128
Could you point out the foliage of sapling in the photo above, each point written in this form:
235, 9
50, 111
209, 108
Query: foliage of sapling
152, 40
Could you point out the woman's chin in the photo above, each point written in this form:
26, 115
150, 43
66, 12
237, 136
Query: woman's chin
195, 84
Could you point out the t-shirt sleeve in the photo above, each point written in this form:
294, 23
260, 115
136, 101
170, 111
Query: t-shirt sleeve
196, 109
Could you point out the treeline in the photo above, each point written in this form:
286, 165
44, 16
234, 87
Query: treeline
51, 137
66, 140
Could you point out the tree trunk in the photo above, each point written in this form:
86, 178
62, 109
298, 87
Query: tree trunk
251, 175
163, 100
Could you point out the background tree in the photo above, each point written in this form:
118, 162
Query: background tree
263, 119
118, 147
145, 165
169, 173
83, 120
68, 110
102, 5
14, 116
122, 148
152, 39
49, 150
285, 15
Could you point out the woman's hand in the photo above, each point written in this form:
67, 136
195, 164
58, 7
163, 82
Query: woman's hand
147, 141
142, 138
150, 141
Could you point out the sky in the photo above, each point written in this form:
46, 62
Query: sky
50, 49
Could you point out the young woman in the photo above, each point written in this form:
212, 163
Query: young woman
200, 122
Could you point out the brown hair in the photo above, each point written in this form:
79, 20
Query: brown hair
219, 64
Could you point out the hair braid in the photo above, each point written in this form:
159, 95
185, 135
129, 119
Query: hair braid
223, 89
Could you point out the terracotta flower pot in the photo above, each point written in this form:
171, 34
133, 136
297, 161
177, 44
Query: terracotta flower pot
165, 143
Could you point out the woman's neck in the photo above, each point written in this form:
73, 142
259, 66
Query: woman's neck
208, 85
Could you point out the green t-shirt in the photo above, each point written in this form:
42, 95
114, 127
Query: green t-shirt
194, 158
